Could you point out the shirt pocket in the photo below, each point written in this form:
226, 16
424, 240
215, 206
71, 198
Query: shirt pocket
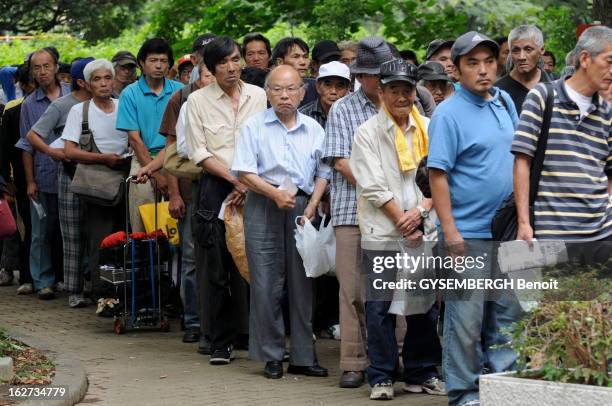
217, 135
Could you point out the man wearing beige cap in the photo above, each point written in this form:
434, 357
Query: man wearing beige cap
125, 71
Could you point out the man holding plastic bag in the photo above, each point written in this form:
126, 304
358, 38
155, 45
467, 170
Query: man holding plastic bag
278, 158
391, 208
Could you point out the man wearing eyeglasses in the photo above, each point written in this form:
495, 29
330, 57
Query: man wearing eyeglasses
280, 146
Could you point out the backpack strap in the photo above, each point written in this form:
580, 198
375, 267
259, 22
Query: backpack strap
538, 160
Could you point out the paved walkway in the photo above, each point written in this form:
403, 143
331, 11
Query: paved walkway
154, 368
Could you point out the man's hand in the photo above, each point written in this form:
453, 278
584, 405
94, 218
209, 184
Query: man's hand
161, 183
309, 213
32, 190
409, 221
525, 233
236, 197
113, 160
454, 243
176, 207
283, 199
57, 154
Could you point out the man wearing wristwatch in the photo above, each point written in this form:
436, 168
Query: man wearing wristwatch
391, 208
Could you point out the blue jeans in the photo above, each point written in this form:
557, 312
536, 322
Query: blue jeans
189, 291
42, 237
472, 327
421, 352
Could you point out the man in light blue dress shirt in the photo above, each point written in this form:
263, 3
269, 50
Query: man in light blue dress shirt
280, 146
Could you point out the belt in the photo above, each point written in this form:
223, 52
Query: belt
300, 192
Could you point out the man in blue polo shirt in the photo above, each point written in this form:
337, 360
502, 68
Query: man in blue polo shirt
470, 175
141, 108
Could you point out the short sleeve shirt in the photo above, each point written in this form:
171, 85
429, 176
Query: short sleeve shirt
572, 201
142, 110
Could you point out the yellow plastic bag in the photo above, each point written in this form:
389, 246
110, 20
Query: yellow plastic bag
165, 222
234, 238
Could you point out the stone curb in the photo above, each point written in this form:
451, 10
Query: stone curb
69, 372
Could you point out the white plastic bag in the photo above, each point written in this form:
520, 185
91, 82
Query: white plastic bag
327, 239
308, 244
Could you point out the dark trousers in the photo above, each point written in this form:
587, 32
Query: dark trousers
23, 205
100, 221
421, 352
224, 291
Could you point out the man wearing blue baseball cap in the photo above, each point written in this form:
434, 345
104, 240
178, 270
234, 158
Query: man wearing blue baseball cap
469, 150
42, 137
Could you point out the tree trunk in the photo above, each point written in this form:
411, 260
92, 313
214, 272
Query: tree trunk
602, 12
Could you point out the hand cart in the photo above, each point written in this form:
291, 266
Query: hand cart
138, 282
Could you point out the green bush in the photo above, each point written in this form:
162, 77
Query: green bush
567, 341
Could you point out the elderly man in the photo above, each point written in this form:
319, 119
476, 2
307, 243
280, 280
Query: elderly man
124, 63
215, 116
110, 143
279, 146
386, 153
333, 83
463, 158
50, 125
433, 76
526, 44
345, 117
41, 171
576, 179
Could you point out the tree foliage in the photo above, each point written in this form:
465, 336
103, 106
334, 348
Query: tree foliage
91, 20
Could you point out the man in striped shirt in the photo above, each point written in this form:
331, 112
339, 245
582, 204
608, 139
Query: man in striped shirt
572, 202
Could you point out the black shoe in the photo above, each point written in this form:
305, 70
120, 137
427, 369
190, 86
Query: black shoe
351, 379
273, 370
192, 335
222, 356
204, 346
315, 370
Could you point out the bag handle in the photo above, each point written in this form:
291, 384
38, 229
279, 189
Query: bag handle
86, 141
538, 160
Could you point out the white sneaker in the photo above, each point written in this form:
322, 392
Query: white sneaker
433, 386
382, 391
25, 289
76, 300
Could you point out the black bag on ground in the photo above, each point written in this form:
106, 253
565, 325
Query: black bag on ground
504, 226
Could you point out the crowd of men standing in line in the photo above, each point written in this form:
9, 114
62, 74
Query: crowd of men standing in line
349, 127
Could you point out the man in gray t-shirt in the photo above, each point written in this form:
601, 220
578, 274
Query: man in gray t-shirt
42, 135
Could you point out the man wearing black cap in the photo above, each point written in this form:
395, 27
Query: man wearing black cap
386, 154
324, 51
125, 71
470, 138
439, 50
433, 76
197, 53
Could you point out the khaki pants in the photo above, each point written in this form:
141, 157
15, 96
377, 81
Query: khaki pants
353, 345
140, 193
353, 355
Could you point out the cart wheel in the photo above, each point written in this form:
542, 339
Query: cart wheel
164, 325
119, 326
